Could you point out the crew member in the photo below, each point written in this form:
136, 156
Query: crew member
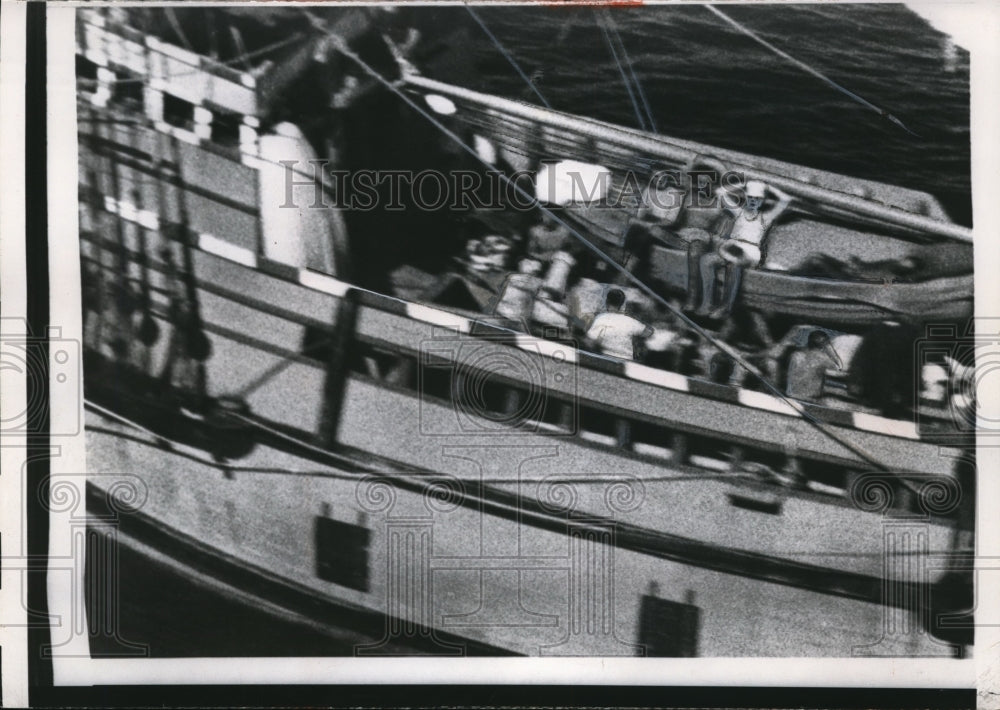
742, 247
614, 332
666, 217
807, 367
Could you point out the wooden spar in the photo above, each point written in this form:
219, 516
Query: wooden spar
659, 147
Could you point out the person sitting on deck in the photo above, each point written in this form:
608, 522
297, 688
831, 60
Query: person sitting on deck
742, 247
614, 332
659, 214
653, 223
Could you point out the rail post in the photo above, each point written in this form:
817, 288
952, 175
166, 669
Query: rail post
337, 367
679, 445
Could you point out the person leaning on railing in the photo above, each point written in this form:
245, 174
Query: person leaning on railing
807, 367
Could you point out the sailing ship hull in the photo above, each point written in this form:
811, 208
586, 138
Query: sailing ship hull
568, 588
460, 485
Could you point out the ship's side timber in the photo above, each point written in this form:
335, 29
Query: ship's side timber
497, 573
689, 404
704, 504
175, 563
278, 308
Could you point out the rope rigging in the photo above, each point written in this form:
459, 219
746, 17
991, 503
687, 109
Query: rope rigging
629, 79
806, 68
609, 20
506, 54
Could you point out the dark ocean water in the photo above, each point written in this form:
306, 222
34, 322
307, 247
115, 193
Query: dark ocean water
706, 81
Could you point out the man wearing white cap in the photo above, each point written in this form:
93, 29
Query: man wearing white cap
741, 247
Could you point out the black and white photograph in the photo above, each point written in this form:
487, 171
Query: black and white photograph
575, 332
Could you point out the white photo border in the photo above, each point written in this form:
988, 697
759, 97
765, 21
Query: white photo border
65, 594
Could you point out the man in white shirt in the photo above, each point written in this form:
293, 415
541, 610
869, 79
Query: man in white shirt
614, 332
